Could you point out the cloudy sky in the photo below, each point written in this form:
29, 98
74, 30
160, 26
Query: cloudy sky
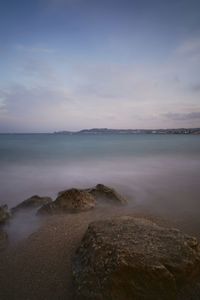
73, 64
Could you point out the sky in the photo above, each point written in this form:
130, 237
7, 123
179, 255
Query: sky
74, 64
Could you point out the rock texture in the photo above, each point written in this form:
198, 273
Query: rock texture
77, 200
104, 193
3, 239
32, 202
134, 259
4, 214
72, 200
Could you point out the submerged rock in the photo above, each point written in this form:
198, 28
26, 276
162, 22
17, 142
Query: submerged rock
72, 200
32, 202
107, 194
130, 258
4, 214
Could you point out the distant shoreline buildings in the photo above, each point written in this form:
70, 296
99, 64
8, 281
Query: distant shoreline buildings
131, 131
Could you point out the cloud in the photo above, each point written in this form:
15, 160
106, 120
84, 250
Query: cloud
2, 106
182, 116
20, 98
195, 87
39, 69
189, 46
33, 49
51, 7
61, 94
117, 82
186, 57
28, 108
49, 109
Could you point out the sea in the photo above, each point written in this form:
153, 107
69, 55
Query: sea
158, 174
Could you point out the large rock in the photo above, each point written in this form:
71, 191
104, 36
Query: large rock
32, 202
106, 194
72, 200
134, 259
4, 214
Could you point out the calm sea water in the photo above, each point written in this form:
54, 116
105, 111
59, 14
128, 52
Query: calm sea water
158, 172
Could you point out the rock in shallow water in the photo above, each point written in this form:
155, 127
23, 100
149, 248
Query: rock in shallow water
134, 259
72, 200
32, 202
4, 214
77, 200
106, 194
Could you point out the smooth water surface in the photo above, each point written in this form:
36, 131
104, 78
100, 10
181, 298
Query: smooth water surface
158, 172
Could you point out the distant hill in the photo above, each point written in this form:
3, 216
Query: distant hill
131, 131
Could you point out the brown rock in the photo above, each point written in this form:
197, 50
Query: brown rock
72, 200
104, 193
32, 202
134, 259
4, 214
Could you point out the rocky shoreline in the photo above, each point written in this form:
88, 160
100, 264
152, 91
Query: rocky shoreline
69, 201
88, 248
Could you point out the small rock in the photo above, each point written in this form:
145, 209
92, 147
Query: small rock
4, 214
32, 202
107, 194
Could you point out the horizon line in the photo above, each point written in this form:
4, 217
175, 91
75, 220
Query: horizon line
102, 128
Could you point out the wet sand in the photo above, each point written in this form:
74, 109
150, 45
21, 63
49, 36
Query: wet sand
39, 267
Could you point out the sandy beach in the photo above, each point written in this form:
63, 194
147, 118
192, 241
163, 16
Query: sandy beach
39, 267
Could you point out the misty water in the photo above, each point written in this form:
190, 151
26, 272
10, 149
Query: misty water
159, 174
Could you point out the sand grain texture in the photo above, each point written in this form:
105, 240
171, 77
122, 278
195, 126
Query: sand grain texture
39, 267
